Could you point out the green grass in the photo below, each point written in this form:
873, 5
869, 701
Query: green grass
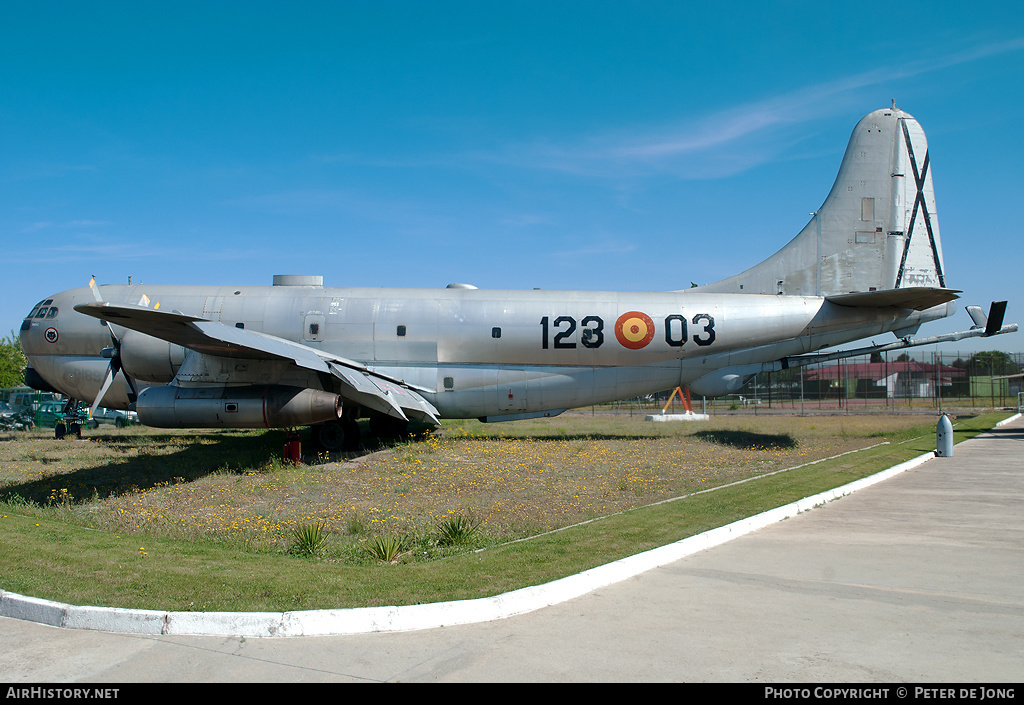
47, 552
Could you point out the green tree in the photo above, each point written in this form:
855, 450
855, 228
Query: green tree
994, 362
12, 362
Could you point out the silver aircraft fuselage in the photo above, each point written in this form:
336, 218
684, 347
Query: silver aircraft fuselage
482, 353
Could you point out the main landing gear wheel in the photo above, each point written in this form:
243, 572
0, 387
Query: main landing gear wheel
388, 426
342, 434
329, 436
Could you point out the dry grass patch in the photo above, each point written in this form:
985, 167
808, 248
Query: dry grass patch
176, 508
515, 479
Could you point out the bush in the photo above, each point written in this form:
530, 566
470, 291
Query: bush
309, 540
386, 549
456, 530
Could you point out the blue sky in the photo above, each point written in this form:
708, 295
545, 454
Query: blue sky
562, 145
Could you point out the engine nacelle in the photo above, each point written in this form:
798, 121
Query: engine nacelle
724, 381
150, 359
236, 407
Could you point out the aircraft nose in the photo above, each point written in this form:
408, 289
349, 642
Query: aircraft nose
40, 330
33, 326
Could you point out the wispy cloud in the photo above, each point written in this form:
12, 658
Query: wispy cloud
71, 224
725, 141
526, 220
29, 172
609, 248
366, 206
121, 249
84, 252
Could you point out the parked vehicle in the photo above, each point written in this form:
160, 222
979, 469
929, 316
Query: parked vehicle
49, 412
26, 402
12, 420
112, 416
65, 417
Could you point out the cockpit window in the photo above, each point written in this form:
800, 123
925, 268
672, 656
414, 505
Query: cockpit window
52, 313
39, 310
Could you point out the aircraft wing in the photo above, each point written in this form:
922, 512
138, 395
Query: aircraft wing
359, 384
918, 298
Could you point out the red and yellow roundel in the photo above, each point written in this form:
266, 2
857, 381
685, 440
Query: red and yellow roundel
634, 330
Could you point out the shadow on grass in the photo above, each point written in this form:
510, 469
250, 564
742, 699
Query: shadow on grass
748, 440
547, 438
136, 462
152, 464
159, 459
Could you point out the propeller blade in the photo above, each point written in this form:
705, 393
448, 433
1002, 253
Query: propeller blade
108, 379
114, 353
133, 393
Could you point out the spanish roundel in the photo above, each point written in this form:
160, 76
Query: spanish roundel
634, 330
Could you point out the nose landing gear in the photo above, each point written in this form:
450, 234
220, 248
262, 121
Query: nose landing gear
69, 423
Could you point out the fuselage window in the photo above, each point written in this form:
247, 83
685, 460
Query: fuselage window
401, 331
495, 332
314, 330
239, 325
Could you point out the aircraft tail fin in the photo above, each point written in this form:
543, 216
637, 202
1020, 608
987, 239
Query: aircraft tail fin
877, 229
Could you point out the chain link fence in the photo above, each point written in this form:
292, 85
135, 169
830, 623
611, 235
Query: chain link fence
880, 382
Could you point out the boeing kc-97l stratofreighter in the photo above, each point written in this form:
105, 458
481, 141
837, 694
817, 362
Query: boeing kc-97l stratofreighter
301, 354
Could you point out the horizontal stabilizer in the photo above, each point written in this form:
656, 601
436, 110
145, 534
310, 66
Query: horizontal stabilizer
995, 317
918, 298
995, 326
978, 316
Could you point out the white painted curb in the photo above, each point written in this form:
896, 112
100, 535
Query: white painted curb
1006, 421
363, 620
